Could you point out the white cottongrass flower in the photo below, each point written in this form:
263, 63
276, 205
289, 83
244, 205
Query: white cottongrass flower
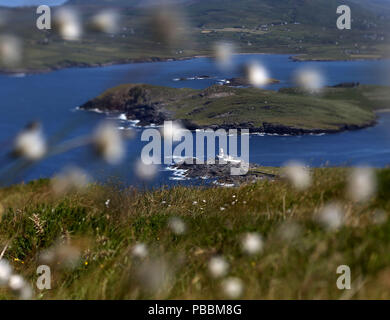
177, 225
223, 53
309, 79
172, 130
331, 216
289, 231
218, 267
167, 24
140, 250
252, 243
68, 23
361, 184
256, 74
222, 208
107, 203
156, 276
11, 51
5, 272
232, 287
20, 287
61, 255
108, 143
145, 171
298, 175
30, 143
71, 178
106, 21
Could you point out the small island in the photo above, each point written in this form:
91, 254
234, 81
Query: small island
287, 111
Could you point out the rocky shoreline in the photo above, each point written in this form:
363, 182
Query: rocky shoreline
277, 129
220, 173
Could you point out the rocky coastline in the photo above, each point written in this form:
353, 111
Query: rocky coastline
219, 172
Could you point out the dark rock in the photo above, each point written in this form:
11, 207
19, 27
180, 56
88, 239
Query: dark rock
347, 85
221, 172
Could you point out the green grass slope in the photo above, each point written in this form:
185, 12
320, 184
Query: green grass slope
298, 264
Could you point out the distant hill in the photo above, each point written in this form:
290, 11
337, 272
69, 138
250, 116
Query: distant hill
381, 7
306, 29
250, 13
254, 12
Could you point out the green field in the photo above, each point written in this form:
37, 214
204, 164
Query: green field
293, 265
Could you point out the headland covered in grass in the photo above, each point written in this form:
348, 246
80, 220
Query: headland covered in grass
106, 242
288, 111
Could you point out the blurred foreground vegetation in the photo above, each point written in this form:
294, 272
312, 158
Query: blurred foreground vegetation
299, 259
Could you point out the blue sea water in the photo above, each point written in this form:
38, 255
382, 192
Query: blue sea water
52, 98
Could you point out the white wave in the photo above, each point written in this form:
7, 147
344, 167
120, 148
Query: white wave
178, 178
177, 174
95, 110
221, 184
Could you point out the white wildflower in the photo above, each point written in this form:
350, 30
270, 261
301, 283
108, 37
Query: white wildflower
172, 130
223, 54
5, 272
218, 267
108, 143
140, 250
20, 287
289, 231
331, 216
71, 178
106, 21
145, 171
309, 79
156, 276
298, 175
68, 24
361, 184
177, 225
232, 287
30, 143
10, 50
252, 243
256, 74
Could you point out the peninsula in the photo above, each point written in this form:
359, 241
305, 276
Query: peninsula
287, 111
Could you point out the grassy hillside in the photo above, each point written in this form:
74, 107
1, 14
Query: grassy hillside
298, 27
335, 109
252, 13
298, 261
